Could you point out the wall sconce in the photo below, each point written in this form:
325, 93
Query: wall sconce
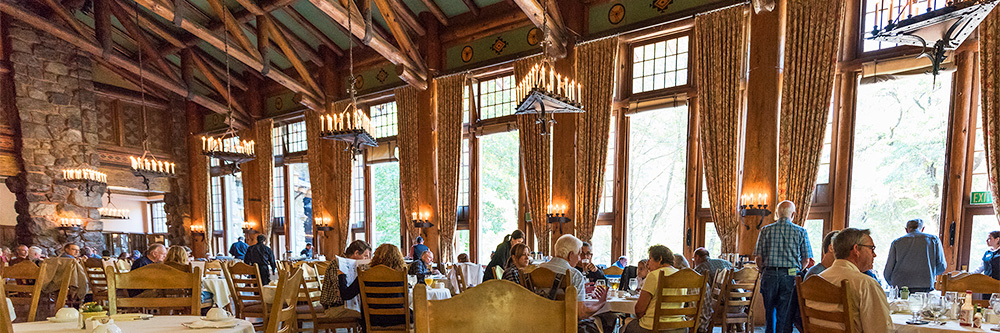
557, 214
323, 224
754, 205
69, 224
422, 220
198, 230
248, 227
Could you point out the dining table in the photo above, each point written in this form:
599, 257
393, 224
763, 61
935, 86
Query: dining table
615, 304
899, 322
157, 324
219, 287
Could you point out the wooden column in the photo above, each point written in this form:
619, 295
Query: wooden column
198, 176
329, 243
846, 105
430, 46
564, 131
760, 164
253, 100
958, 144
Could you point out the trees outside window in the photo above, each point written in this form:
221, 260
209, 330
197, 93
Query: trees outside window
385, 203
498, 196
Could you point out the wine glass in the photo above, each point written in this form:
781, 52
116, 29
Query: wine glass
916, 303
995, 304
633, 284
935, 304
614, 283
951, 300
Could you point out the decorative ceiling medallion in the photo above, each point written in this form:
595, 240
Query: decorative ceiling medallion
661, 5
279, 103
467, 53
382, 75
499, 45
616, 14
359, 82
534, 36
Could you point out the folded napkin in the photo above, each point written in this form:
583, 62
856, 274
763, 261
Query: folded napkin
211, 324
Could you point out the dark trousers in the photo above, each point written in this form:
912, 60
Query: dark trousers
776, 287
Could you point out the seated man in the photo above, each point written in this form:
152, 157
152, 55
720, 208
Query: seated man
855, 251
566, 255
704, 264
586, 264
422, 268
71, 251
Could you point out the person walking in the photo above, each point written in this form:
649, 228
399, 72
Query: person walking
239, 249
915, 259
782, 250
261, 255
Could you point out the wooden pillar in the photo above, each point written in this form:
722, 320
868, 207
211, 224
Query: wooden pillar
848, 88
198, 176
254, 103
329, 243
958, 141
430, 47
760, 164
564, 131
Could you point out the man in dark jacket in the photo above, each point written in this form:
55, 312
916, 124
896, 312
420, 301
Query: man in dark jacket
261, 255
239, 249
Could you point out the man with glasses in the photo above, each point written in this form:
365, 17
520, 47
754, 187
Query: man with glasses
586, 264
915, 259
855, 251
782, 251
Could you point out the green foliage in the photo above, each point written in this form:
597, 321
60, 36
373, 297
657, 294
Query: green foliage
498, 175
385, 203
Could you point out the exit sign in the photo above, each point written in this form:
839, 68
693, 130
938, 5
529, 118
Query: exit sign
981, 198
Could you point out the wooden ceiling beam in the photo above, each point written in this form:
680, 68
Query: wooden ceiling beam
234, 28
473, 7
318, 34
96, 52
198, 30
410, 19
396, 27
102, 24
436, 11
279, 38
557, 31
296, 42
143, 43
215, 82
494, 19
151, 25
68, 18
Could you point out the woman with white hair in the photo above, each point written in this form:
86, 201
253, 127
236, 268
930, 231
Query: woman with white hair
35, 254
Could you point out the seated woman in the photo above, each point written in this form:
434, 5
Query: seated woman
336, 291
179, 257
389, 256
661, 259
516, 264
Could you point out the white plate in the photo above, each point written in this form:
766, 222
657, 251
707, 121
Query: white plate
220, 319
57, 320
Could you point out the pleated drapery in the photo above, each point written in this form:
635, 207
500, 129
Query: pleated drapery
329, 178
811, 45
536, 163
449, 158
406, 118
989, 71
595, 63
719, 76
258, 175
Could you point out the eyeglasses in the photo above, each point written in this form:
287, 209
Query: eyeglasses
586, 253
868, 246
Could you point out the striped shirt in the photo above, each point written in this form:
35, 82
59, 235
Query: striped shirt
783, 244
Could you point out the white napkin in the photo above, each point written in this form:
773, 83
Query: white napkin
211, 324
10, 306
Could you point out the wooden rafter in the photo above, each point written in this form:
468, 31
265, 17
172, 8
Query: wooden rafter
263, 43
113, 60
216, 82
234, 28
557, 31
310, 97
102, 24
322, 37
414, 72
150, 25
279, 38
473, 7
393, 21
436, 11
144, 44
296, 42
410, 20
65, 16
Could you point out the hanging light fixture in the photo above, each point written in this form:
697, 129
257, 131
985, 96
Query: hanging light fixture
112, 212
86, 176
145, 166
544, 90
351, 124
228, 147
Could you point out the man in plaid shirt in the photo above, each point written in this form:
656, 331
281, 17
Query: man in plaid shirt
782, 250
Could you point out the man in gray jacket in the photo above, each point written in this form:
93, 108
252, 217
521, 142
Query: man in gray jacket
915, 259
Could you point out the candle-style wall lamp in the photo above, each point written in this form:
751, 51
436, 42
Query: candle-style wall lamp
754, 205
69, 225
421, 220
248, 227
198, 230
557, 214
323, 223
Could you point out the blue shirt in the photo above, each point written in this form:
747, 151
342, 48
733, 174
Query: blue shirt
141, 262
239, 249
914, 260
419, 249
783, 244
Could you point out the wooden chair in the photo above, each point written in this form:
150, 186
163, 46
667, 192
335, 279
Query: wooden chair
156, 277
977, 283
282, 314
384, 293
494, 306
613, 270
541, 281
717, 290
679, 294
321, 267
824, 301
497, 272
96, 279
245, 287
213, 267
459, 278
309, 294
738, 296
6, 322
23, 287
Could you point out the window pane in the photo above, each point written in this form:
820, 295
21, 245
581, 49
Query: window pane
899, 153
814, 228
217, 212
278, 201
982, 225
823, 173
158, 217
358, 193
660, 65
498, 169
657, 170
462, 242
899, 11
385, 203
497, 97
712, 241
600, 244
608, 196
384, 119
301, 222
980, 175
464, 176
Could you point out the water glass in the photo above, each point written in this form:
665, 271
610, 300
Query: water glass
995, 304
951, 298
935, 304
633, 284
916, 303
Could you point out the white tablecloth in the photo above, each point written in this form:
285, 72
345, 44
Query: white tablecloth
472, 272
219, 288
616, 305
950, 326
158, 324
433, 294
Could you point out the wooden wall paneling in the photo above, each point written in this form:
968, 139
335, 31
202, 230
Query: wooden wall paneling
760, 164
952, 202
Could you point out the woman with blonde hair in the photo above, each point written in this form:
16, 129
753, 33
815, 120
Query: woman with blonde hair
388, 255
177, 257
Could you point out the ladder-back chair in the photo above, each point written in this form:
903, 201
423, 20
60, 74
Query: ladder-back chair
97, 280
825, 307
678, 296
158, 280
245, 287
283, 318
384, 293
494, 306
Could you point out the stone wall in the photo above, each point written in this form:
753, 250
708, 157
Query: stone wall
56, 107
